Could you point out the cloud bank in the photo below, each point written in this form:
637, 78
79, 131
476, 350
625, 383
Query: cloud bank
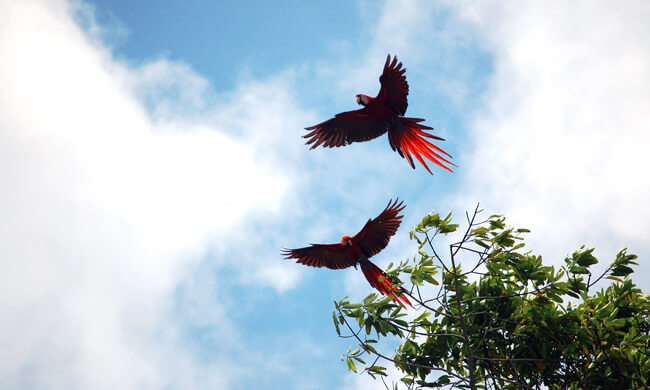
559, 142
112, 190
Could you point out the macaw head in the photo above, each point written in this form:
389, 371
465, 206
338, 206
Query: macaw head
363, 99
346, 240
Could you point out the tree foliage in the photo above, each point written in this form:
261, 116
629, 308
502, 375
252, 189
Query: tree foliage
505, 320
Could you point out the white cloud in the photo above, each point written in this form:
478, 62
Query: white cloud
560, 144
109, 203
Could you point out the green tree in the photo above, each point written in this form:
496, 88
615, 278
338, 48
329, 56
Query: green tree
506, 321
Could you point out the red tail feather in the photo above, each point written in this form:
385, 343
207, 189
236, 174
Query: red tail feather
411, 140
374, 273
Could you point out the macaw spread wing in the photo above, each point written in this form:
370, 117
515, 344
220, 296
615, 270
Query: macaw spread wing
376, 233
394, 87
345, 128
334, 256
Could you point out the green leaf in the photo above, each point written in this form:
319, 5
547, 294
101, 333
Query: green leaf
369, 298
422, 316
621, 270
578, 270
584, 257
379, 370
402, 323
369, 348
443, 380
615, 279
481, 243
336, 323
351, 365
617, 323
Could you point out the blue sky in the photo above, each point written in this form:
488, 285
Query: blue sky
152, 169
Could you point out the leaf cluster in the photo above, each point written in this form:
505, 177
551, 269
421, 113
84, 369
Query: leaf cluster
508, 321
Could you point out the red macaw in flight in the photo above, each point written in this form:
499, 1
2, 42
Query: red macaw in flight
381, 114
372, 238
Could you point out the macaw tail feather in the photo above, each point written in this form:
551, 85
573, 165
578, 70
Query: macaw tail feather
381, 281
407, 137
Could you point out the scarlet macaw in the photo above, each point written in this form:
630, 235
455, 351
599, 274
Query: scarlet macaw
357, 250
383, 113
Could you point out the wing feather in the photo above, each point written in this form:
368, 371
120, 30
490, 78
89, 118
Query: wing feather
346, 128
334, 256
394, 88
376, 233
